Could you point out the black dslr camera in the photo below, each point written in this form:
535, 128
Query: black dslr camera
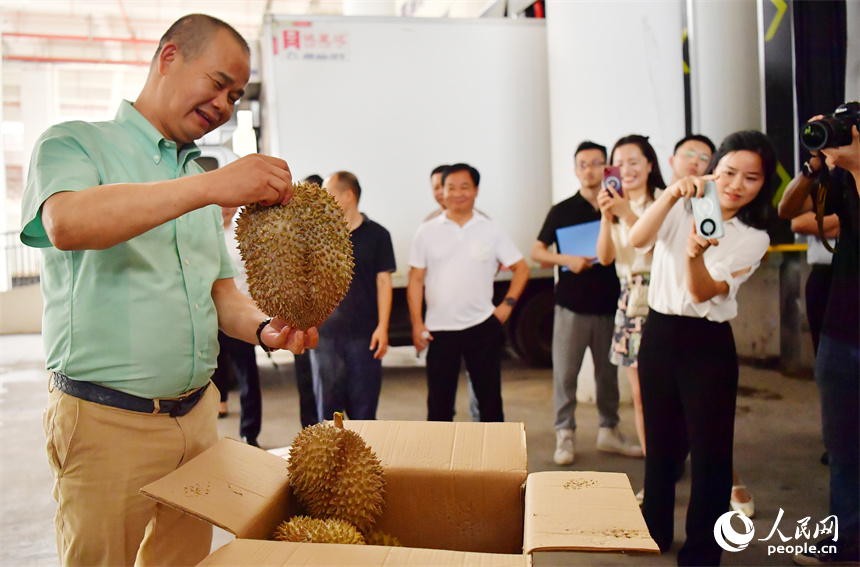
831, 131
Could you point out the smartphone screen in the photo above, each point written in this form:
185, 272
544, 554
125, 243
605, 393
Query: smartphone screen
612, 179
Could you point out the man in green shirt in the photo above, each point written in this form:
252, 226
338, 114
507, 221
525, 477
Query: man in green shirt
136, 283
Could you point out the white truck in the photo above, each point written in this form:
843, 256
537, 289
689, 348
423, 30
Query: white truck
389, 99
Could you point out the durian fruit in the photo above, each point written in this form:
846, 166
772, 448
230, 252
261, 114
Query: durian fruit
381, 538
302, 529
334, 474
298, 256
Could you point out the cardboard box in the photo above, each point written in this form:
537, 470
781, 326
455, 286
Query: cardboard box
249, 553
577, 512
454, 496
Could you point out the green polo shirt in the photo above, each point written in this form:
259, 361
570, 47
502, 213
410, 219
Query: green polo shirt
139, 316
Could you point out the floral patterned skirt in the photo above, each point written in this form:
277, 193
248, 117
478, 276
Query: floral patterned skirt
628, 330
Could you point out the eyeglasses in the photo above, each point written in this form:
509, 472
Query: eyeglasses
586, 165
692, 154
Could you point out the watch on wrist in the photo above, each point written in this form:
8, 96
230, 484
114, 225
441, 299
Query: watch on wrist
510, 301
260, 339
807, 171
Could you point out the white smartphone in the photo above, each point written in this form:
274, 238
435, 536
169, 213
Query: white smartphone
707, 213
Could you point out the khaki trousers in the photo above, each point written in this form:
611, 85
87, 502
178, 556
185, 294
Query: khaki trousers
101, 457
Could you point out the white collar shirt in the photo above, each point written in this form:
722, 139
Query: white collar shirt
461, 264
631, 261
816, 253
742, 247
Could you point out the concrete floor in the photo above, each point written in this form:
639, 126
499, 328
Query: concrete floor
777, 445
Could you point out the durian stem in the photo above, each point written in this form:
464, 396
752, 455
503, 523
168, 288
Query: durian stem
338, 419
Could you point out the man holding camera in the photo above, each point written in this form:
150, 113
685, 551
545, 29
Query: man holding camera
837, 364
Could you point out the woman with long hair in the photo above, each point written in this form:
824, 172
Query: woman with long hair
641, 182
688, 366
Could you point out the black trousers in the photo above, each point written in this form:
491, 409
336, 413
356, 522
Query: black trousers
817, 293
305, 386
688, 375
238, 359
481, 348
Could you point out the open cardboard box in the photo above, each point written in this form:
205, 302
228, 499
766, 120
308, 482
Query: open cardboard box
454, 495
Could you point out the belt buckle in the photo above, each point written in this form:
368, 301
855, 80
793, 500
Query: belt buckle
178, 408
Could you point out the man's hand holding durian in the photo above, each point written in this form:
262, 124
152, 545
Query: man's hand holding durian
255, 178
277, 335
240, 318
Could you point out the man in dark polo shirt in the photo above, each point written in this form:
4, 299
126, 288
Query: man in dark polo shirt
585, 302
347, 368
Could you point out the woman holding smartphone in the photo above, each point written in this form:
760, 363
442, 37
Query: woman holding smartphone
641, 182
688, 364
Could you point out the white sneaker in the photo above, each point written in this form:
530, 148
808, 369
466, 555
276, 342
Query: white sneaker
565, 450
611, 440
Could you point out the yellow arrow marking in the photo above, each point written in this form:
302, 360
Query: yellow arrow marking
784, 179
780, 11
683, 41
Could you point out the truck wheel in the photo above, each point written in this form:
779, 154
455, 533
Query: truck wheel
531, 333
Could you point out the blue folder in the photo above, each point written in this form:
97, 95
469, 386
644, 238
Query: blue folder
578, 240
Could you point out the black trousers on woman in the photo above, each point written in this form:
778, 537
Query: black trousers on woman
688, 374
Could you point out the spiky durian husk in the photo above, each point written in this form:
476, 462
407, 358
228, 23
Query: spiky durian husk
303, 529
315, 457
298, 256
381, 538
359, 496
334, 474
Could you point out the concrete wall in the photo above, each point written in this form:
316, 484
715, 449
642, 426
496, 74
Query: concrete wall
21, 310
757, 326
615, 68
725, 76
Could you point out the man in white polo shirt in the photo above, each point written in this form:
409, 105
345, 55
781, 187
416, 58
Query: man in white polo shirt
454, 260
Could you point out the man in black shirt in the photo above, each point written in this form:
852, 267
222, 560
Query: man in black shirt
302, 365
347, 370
837, 362
586, 297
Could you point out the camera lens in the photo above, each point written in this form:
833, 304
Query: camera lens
708, 227
814, 135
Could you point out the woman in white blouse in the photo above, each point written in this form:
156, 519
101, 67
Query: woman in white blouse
688, 364
641, 182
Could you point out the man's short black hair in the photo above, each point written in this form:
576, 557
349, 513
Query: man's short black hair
473, 173
698, 138
589, 145
350, 182
192, 33
314, 178
439, 169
